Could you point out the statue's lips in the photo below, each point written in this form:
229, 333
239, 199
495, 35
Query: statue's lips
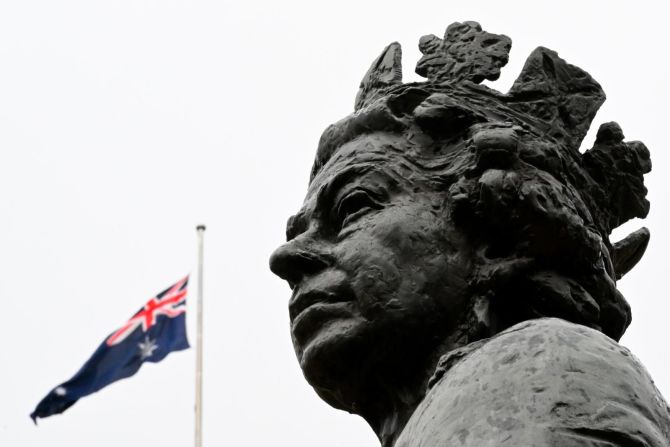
318, 316
302, 301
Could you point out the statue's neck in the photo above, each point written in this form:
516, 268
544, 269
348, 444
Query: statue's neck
393, 397
391, 410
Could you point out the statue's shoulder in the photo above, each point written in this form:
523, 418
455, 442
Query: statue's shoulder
543, 382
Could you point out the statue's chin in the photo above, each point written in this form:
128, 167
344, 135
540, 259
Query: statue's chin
327, 346
334, 361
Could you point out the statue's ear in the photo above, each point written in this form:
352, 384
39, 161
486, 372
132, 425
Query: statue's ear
565, 97
628, 251
385, 72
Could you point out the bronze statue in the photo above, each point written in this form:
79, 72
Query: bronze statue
453, 279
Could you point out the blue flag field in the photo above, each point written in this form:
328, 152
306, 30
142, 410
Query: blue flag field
157, 329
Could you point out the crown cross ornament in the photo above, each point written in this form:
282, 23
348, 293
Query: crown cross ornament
467, 53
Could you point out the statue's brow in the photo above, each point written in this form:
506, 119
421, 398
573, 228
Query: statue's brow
299, 222
326, 194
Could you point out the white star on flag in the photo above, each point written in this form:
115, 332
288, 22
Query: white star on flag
147, 347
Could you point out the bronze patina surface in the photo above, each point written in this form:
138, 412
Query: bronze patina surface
453, 278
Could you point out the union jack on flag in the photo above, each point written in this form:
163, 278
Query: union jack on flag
170, 302
157, 329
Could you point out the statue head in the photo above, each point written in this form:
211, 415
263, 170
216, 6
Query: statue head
443, 212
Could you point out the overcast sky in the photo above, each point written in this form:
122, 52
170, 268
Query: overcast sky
125, 123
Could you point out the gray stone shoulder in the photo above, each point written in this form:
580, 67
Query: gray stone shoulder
544, 382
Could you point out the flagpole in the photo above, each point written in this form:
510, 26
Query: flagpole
198, 353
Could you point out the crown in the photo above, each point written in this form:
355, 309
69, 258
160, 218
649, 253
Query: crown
549, 93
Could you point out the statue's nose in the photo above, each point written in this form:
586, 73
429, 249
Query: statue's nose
295, 259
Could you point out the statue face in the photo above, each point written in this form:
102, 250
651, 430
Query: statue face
376, 267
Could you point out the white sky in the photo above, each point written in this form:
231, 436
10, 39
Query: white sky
123, 124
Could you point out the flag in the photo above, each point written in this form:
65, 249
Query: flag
157, 329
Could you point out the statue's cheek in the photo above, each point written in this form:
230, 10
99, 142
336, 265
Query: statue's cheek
375, 278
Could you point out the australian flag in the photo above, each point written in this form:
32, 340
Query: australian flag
157, 329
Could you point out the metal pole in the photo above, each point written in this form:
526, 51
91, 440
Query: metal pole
198, 353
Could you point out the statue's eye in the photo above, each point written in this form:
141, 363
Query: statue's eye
354, 205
